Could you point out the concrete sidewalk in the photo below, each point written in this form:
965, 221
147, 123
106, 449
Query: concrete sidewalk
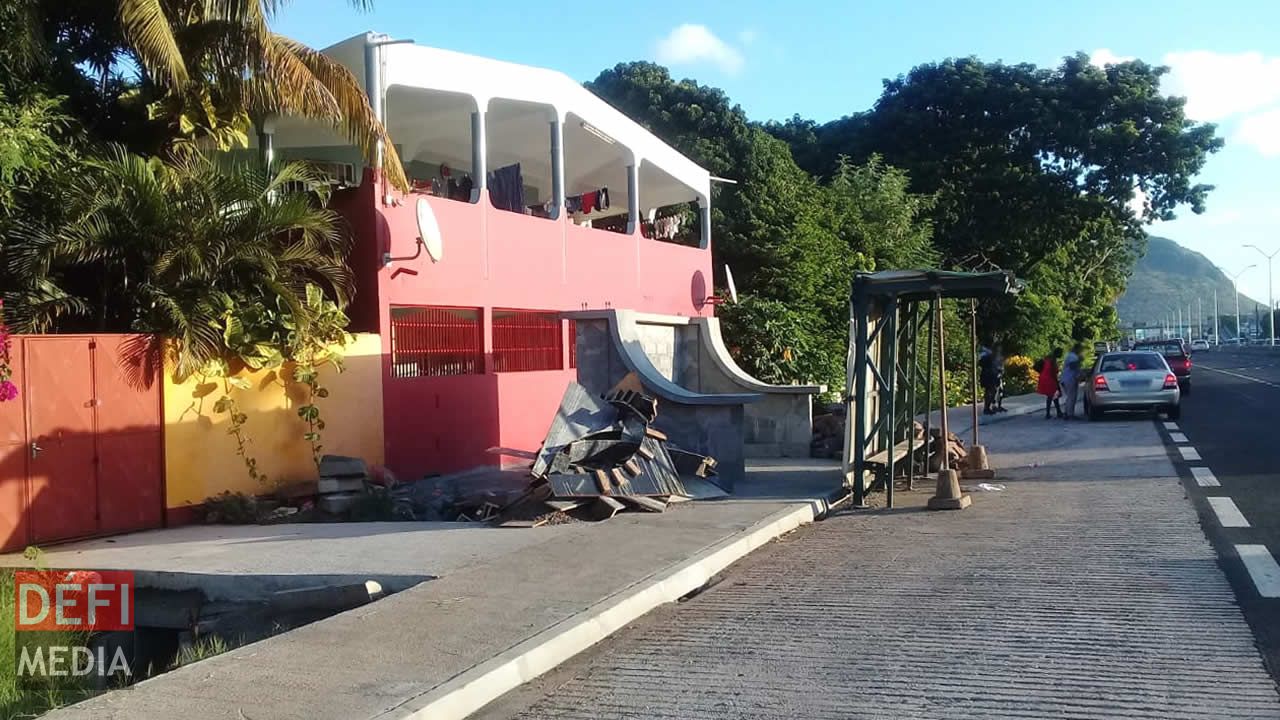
445, 647
1084, 590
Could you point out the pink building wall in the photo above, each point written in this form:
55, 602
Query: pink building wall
497, 259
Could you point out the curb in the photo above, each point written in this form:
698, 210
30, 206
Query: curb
472, 689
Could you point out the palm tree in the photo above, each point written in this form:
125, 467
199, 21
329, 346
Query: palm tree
218, 64
180, 248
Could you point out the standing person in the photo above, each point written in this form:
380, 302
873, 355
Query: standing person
1047, 385
989, 379
998, 362
1071, 368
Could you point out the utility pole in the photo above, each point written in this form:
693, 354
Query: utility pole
1200, 312
1235, 288
1179, 326
1271, 297
1217, 337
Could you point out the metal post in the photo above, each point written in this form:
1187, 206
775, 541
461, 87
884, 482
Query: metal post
1217, 336
891, 307
857, 403
928, 393
973, 335
942, 383
913, 331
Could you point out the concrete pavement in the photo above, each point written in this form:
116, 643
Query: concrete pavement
445, 647
1086, 589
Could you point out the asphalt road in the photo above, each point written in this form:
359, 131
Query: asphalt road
1232, 420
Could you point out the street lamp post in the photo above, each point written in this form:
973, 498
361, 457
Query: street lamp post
1271, 298
1235, 288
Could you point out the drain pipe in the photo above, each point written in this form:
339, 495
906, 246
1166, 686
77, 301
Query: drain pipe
373, 90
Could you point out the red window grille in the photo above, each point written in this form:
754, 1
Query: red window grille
436, 341
526, 340
573, 343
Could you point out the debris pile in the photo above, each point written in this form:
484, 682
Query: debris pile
956, 452
601, 456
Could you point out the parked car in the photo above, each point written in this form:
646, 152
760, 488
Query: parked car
1201, 344
1101, 347
1176, 354
1134, 380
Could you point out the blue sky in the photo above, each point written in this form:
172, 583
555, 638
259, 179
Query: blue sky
826, 60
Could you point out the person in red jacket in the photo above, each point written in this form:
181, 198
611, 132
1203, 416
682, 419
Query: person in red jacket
1047, 385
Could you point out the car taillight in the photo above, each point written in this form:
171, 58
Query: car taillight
1188, 361
1170, 382
1100, 383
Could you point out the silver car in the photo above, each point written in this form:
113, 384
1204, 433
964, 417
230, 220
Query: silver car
1135, 380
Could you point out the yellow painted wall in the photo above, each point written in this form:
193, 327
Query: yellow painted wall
200, 456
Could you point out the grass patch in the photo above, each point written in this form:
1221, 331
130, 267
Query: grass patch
32, 697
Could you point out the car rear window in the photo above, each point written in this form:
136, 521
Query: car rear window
1172, 349
1130, 361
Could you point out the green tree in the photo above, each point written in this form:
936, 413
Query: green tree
174, 248
206, 71
1032, 167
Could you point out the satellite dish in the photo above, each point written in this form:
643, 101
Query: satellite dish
733, 289
429, 230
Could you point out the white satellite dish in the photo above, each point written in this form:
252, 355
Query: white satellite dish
733, 289
429, 230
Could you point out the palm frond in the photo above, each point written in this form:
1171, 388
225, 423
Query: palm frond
302, 81
149, 32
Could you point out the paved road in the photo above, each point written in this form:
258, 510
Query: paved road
1086, 589
1232, 420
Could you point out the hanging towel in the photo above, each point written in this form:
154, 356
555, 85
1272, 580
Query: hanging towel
588, 202
506, 188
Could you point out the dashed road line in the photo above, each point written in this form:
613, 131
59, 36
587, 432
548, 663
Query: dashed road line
1171, 426
1262, 569
1205, 477
1177, 437
1188, 453
1228, 514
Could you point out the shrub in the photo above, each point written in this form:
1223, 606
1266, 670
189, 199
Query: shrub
1019, 376
228, 508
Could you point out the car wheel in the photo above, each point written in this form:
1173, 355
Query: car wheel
1186, 388
1094, 413
1174, 412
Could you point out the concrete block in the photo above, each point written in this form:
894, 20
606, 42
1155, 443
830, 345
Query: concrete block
338, 503
328, 485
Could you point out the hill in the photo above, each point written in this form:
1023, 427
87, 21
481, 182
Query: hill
1170, 275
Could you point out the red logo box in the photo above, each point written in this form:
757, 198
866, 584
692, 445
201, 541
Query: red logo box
81, 600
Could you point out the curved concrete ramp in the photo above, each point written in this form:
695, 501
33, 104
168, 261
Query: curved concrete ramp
781, 425
612, 343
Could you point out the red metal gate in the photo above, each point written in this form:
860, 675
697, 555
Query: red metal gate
81, 448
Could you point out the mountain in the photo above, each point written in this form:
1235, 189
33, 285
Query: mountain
1171, 276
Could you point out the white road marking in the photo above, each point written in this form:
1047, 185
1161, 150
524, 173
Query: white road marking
1188, 453
1242, 377
1171, 426
1228, 514
1262, 568
1177, 437
1205, 477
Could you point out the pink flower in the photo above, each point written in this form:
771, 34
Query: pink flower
8, 391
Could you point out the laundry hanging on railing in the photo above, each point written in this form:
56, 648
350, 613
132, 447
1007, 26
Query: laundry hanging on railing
663, 228
588, 202
506, 188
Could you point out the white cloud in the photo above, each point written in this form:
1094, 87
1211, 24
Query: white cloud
1262, 131
1221, 85
690, 44
747, 37
1103, 57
